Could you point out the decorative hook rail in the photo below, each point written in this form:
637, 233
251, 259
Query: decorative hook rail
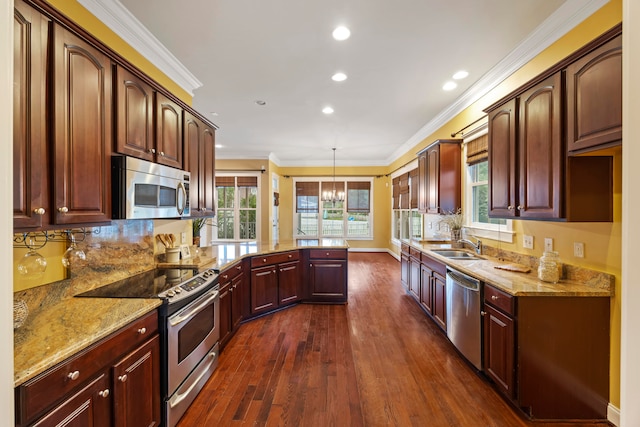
38, 239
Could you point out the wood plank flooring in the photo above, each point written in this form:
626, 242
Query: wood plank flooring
377, 361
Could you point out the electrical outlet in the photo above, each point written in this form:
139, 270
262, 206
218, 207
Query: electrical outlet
183, 237
527, 242
548, 244
430, 225
578, 249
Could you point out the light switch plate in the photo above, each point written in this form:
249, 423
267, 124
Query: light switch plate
527, 242
548, 244
183, 237
578, 249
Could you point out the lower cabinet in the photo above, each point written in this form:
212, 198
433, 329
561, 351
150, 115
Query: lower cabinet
115, 382
327, 275
414, 273
275, 281
549, 355
404, 265
427, 285
232, 286
439, 300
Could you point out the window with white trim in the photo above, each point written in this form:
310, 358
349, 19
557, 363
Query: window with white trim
237, 208
348, 219
407, 222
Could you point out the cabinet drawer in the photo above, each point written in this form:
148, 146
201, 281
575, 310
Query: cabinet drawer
434, 265
258, 261
41, 392
327, 254
500, 300
404, 248
230, 272
415, 252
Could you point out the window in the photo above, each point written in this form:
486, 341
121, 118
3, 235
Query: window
237, 207
349, 219
407, 221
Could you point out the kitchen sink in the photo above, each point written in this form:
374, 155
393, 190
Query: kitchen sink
455, 254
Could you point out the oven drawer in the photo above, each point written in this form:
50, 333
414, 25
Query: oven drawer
42, 392
258, 261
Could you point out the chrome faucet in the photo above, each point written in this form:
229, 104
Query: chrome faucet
476, 246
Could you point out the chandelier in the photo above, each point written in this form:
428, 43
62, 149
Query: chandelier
333, 196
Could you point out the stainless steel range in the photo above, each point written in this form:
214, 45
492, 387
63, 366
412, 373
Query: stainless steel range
189, 329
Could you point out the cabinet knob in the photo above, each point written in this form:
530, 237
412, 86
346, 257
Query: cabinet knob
310, 265
239, 267
152, 150
264, 260
274, 271
510, 207
494, 297
142, 331
519, 207
482, 313
73, 375
327, 253
63, 209
290, 256
122, 378
231, 289
39, 211
225, 277
162, 153
104, 393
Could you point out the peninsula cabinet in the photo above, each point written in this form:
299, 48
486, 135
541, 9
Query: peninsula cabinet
30, 169
232, 297
115, 382
439, 177
82, 124
168, 132
549, 355
594, 99
275, 281
327, 279
199, 148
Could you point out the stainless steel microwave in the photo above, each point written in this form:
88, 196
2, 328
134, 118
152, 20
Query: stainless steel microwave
145, 190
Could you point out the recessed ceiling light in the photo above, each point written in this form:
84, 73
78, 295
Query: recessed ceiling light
327, 110
213, 113
449, 86
261, 102
460, 75
341, 33
339, 77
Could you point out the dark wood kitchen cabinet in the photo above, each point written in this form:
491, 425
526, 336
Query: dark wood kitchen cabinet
82, 125
275, 281
115, 382
414, 273
549, 355
134, 121
426, 289
405, 262
30, 82
231, 301
439, 300
199, 146
440, 177
327, 279
594, 99
432, 290
169, 147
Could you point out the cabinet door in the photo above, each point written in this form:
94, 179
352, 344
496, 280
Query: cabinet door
328, 280
30, 49
288, 282
502, 160
499, 350
426, 288
168, 132
594, 98
90, 407
237, 301
439, 300
540, 150
433, 178
199, 145
422, 182
414, 278
405, 262
136, 387
225, 311
82, 131
264, 289
134, 119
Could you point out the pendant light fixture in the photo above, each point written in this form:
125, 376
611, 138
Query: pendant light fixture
333, 196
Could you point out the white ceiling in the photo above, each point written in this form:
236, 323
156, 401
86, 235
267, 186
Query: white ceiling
397, 59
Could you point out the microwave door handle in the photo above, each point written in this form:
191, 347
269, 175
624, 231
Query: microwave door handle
182, 206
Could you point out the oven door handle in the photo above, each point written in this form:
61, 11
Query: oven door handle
179, 397
183, 316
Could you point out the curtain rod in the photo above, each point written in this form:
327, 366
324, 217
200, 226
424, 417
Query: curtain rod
262, 170
467, 126
331, 176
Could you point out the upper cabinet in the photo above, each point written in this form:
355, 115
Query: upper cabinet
31, 38
168, 132
530, 174
199, 146
594, 99
439, 177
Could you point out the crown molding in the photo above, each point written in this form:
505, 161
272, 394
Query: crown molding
563, 20
118, 18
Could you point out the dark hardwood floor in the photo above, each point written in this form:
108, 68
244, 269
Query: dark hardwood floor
377, 361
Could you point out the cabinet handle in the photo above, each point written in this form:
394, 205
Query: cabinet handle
290, 256
519, 207
310, 265
231, 289
510, 207
264, 260
63, 209
239, 267
274, 271
162, 153
225, 277
494, 297
104, 393
482, 313
152, 150
122, 378
142, 331
39, 211
73, 375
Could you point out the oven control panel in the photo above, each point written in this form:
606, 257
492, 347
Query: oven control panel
182, 290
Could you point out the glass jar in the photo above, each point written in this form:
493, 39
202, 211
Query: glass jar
549, 268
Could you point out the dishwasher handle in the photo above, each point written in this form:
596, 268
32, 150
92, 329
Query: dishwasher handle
464, 280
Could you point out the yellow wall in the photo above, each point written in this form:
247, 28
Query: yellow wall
81, 16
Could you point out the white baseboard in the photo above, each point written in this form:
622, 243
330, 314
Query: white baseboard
613, 415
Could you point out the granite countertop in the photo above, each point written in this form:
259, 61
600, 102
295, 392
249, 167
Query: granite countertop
56, 330
584, 283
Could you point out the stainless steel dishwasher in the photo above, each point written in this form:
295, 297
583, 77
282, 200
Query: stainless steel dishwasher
463, 315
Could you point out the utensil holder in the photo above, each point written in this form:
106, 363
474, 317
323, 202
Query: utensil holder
173, 254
